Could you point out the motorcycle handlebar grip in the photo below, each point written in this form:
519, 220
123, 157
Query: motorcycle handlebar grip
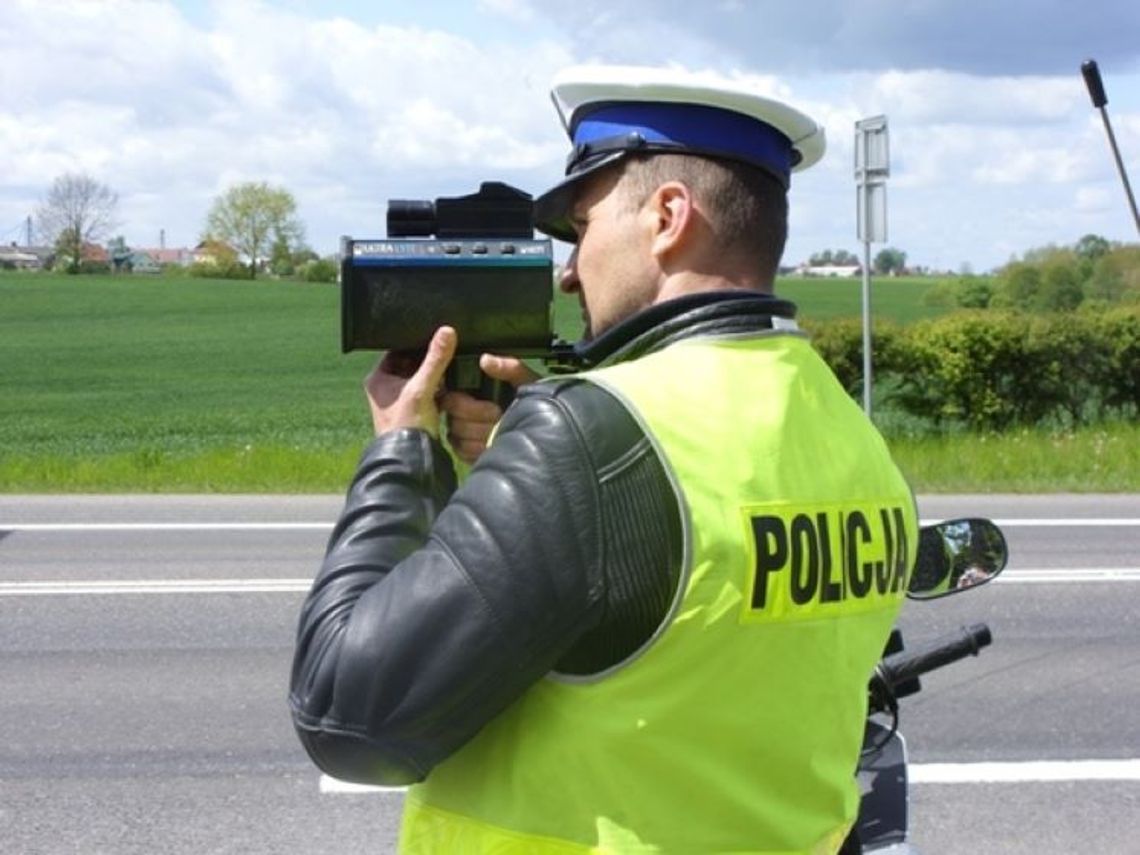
908, 664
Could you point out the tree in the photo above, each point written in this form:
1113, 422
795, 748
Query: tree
77, 210
890, 260
281, 257
837, 258
1060, 288
253, 218
1018, 285
1115, 275
1092, 247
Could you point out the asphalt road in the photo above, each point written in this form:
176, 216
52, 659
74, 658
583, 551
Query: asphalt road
145, 644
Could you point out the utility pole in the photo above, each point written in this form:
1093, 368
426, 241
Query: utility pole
28, 231
872, 166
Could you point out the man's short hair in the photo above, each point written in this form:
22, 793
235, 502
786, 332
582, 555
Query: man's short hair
747, 208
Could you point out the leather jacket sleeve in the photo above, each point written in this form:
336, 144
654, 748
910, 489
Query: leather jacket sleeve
434, 609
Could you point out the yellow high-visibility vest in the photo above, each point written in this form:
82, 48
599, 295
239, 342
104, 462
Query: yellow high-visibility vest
737, 727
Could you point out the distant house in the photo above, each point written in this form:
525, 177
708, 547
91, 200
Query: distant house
142, 261
213, 252
830, 270
95, 254
25, 257
182, 256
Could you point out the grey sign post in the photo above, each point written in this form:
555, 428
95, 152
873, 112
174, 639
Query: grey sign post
872, 166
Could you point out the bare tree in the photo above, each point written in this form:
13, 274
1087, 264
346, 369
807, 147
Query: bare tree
77, 210
252, 217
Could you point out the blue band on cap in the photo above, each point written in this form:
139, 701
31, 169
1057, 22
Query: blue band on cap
698, 127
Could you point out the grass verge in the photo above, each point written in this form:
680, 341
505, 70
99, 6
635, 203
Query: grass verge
1104, 460
1100, 459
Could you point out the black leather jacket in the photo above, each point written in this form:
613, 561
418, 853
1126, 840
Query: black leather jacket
436, 607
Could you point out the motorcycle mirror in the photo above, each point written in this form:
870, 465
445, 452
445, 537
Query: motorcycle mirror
956, 555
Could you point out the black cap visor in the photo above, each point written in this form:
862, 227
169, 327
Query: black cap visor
552, 209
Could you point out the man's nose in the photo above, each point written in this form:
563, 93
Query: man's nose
568, 282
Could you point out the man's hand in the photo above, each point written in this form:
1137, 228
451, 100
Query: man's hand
471, 420
404, 395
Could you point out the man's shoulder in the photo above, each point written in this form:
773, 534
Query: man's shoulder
572, 392
574, 409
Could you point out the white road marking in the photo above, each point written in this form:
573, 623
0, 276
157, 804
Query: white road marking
1086, 522
1069, 574
1039, 771
165, 526
300, 585
155, 586
334, 786
1047, 521
1024, 772
261, 586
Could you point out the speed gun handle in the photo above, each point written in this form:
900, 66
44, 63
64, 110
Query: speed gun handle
464, 375
908, 664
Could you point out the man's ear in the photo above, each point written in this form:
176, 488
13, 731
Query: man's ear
671, 207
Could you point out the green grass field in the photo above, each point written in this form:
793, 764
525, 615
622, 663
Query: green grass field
894, 298
124, 373
182, 385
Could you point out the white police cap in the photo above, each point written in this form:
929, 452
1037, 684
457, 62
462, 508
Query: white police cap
611, 111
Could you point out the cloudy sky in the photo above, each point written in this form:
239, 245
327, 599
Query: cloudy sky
995, 146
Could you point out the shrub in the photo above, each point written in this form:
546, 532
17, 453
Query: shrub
840, 343
990, 370
1118, 331
319, 270
973, 292
964, 368
941, 295
214, 270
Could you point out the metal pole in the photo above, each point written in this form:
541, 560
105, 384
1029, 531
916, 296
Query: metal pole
867, 327
1095, 86
1120, 168
872, 165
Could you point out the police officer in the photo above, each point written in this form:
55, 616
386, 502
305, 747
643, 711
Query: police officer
645, 621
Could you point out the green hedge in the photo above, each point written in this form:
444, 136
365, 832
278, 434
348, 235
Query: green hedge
990, 370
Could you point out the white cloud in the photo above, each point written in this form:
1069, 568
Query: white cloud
1091, 200
421, 130
349, 105
964, 99
1010, 158
515, 10
261, 93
